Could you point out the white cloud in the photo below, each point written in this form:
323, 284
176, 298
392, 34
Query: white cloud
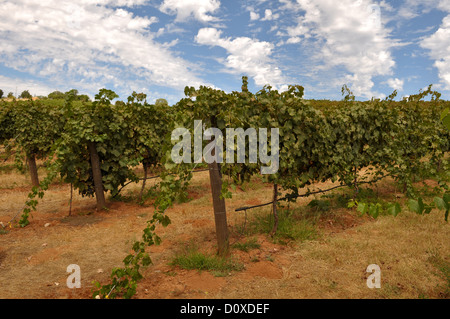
396, 84
411, 9
88, 46
444, 5
185, 9
268, 15
17, 86
345, 35
438, 45
254, 16
288, 5
246, 56
293, 40
421, 6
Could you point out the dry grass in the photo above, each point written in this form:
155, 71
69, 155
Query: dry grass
335, 267
33, 260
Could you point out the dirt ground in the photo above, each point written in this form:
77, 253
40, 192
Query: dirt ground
34, 259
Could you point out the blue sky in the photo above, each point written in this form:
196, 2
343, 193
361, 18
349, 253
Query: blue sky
160, 46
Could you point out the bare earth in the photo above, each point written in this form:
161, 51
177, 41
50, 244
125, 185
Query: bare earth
34, 259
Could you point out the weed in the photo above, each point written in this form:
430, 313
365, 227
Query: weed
291, 227
248, 245
192, 258
320, 205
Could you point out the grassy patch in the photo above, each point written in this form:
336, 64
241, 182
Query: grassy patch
319, 205
191, 258
292, 226
250, 244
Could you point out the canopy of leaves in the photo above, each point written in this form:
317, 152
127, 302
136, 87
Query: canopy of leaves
25, 95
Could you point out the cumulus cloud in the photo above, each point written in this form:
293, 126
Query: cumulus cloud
444, 5
254, 16
396, 84
346, 35
438, 45
88, 44
246, 56
185, 9
268, 15
293, 40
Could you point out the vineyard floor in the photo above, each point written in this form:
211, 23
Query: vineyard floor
411, 250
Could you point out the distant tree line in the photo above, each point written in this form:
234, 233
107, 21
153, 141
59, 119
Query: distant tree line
10, 94
55, 95
58, 95
75, 96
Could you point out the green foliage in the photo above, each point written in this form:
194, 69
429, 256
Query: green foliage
106, 125
445, 118
247, 245
320, 205
291, 227
6, 122
162, 102
337, 142
25, 95
443, 204
374, 210
36, 126
150, 128
394, 209
419, 207
192, 258
56, 95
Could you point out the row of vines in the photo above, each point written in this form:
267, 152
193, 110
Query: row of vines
95, 146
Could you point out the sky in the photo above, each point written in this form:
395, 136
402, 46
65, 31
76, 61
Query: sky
159, 47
